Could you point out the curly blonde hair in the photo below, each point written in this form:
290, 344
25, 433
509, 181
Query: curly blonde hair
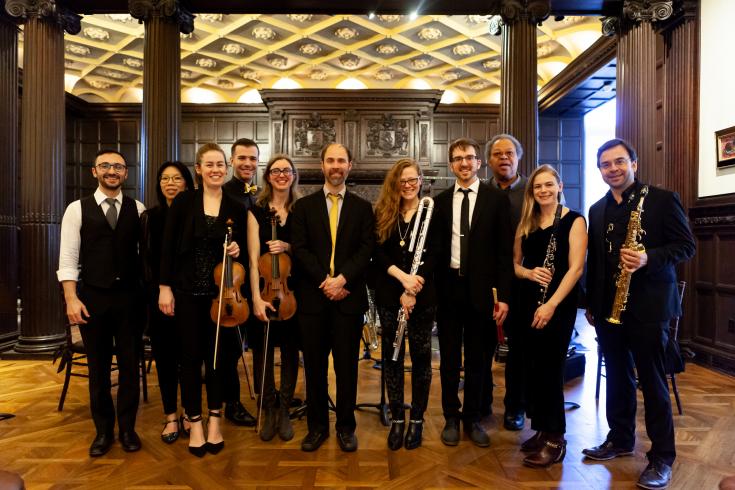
388, 206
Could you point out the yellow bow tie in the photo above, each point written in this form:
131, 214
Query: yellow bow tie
252, 189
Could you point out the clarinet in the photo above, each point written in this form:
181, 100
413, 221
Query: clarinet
550, 252
402, 322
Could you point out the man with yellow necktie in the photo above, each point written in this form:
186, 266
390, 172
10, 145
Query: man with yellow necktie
332, 233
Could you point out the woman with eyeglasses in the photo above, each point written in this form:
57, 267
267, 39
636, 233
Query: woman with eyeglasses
193, 240
173, 178
279, 192
395, 213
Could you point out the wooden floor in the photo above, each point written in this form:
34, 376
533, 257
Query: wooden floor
49, 448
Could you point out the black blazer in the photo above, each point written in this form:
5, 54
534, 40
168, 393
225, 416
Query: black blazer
185, 224
312, 249
491, 247
653, 294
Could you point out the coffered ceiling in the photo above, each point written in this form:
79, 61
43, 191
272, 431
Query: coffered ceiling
229, 57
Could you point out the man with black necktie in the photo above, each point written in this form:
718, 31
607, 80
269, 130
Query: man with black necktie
474, 237
100, 273
332, 235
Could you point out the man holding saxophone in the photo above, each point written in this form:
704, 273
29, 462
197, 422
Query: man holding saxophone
637, 235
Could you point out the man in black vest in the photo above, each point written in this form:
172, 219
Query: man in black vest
99, 271
244, 159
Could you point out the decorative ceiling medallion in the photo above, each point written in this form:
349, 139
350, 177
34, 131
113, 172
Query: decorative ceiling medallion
478, 19
318, 75
77, 49
389, 18
463, 50
100, 84
386, 48
264, 33
491, 64
133, 62
429, 34
206, 62
224, 83
479, 85
211, 17
571, 19
310, 49
545, 49
277, 61
349, 61
185, 36
346, 33
113, 74
96, 33
384, 75
250, 75
125, 18
300, 17
69, 64
233, 48
450, 76
420, 63
188, 75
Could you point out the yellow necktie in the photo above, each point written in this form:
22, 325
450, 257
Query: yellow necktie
333, 215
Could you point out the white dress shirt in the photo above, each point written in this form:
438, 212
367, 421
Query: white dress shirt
339, 201
71, 225
456, 216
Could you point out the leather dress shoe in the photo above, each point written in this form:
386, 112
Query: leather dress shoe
101, 444
347, 441
450, 434
606, 451
513, 421
313, 440
395, 436
534, 443
413, 434
550, 453
477, 435
130, 441
236, 413
656, 475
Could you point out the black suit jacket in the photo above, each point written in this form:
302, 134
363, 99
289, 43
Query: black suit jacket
312, 249
491, 251
653, 294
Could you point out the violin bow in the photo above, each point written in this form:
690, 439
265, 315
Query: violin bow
219, 306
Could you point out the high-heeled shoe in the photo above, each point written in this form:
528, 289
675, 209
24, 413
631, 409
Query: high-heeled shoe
198, 451
171, 437
395, 436
214, 447
182, 428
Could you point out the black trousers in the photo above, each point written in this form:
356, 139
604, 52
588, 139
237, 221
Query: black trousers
286, 335
114, 327
228, 371
642, 345
340, 334
460, 324
166, 350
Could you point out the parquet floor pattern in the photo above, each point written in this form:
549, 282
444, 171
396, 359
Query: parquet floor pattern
49, 448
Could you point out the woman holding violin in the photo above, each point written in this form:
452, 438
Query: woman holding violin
196, 228
274, 304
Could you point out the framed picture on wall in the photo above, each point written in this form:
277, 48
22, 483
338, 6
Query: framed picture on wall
725, 140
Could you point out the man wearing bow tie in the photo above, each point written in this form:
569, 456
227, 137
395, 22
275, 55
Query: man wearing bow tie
244, 159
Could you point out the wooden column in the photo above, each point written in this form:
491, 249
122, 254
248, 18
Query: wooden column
8, 180
161, 118
41, 170
518, 92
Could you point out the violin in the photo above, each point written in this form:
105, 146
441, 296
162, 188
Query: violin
274, 271
229, 308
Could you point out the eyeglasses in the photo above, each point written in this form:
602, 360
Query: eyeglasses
618, 162
467, 158
117, 167
275, 172
411, 182
176, 179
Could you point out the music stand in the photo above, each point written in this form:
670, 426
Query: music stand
381, 406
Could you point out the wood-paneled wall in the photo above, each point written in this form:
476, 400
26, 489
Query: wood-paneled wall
561, 145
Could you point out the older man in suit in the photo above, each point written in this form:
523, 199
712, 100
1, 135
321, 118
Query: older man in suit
332, 238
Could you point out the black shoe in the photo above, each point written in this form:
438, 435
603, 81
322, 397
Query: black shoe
450, 434
477, 434
268, 428
171, 437
236, 413
606, 451
214, 447
284, 427
413, 435
513, 421
313, 440
395, 436
551, 452
101, 445
656, 475
182, 428
130, 441
534, 443
347, 441
198, 451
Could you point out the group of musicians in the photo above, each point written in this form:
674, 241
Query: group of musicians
503, 255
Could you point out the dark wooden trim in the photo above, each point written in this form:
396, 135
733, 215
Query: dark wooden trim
353, 99
487, 110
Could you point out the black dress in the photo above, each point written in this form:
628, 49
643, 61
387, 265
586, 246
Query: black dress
544, 350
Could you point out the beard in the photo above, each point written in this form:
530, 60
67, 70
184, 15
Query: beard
337, 178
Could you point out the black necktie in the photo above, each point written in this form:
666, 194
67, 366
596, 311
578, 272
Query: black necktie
111, 213
464, 232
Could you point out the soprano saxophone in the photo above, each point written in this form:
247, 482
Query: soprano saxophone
427, 203
632, 241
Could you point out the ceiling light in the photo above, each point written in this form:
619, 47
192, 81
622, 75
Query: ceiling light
413, 15
252, 96
286, 83
351, 84
371, 15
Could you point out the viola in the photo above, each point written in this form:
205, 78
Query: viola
274, 271
229, 308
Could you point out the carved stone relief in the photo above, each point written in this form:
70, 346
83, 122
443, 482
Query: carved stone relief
309, 134
387, 137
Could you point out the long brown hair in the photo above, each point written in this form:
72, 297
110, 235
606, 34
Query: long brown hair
266, 194
531, 211
388, 206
